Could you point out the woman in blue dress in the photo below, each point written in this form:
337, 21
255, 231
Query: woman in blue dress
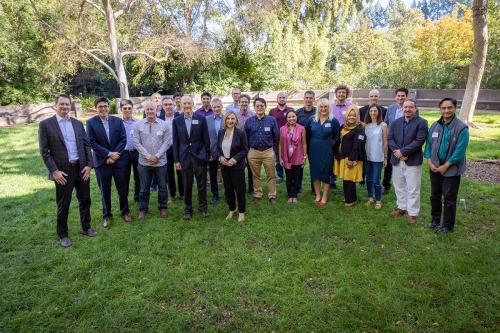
322, 132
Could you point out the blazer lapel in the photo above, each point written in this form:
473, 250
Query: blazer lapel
54, 124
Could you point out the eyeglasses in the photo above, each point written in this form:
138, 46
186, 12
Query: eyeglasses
260, 106
101, 107
126, 108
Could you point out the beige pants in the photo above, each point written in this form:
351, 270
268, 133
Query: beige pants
256, 159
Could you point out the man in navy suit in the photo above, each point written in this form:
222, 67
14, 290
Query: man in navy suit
108, 139
406, 137
214, 124
65, 151
191, 154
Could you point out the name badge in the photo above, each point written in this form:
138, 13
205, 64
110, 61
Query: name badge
284, 114
195, 122
376, 132
159, 133
328, 125
343, 112
435, 134
361, 137
267, 129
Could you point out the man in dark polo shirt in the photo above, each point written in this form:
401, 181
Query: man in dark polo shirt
263, 138
303, 114
279, 113
373, 96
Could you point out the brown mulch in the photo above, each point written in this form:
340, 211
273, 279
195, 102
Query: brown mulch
483, 171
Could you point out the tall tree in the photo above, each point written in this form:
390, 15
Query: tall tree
479, 19
99, 54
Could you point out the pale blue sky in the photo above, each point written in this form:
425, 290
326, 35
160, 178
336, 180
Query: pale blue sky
384, 2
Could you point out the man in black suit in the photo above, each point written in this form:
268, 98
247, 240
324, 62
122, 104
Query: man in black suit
191, 154
214, 124
108, 139
65, 151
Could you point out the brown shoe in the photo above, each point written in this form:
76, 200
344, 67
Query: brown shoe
127, 218
105, 223
163, 213
412, 219
171, 200
398, 212
255, 200
181, 197
65, 242
385, 191
89, 232
141, 216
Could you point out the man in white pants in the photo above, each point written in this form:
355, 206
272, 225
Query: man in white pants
406, 137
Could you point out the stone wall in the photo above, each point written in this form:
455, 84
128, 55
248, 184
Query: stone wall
32, 113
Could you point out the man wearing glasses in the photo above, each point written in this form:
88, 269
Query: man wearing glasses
263, 139
236, 93
108, 138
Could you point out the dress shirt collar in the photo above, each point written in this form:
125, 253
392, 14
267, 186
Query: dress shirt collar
59, 118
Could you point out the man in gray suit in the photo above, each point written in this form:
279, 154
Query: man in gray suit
214, 124
65, 151
406, 137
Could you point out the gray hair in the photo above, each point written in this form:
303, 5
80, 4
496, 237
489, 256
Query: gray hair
217, 100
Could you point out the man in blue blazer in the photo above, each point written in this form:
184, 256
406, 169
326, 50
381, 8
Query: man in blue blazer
191, 154
214, 124
406, 137
108, 138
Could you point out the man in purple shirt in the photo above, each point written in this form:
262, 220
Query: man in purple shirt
206, 107
279, 113
242, 115
339, 107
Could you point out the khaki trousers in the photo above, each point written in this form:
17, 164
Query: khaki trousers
256, 159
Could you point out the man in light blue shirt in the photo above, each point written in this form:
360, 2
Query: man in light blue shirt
236, 93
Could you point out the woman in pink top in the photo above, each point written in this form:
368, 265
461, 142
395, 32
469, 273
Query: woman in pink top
292, 152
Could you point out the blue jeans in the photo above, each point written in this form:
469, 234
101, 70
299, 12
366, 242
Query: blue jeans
373, 174
146, 173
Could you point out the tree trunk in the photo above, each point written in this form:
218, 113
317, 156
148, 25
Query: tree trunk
117, 56
480, 11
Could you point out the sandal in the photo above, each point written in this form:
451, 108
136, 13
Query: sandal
378, 205
369, 202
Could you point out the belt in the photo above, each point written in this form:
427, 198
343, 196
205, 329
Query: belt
73, 163
262, 149
130, 151
441, 162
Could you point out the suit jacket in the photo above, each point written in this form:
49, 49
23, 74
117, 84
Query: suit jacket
391, 113
98, 139
410, 143
53, 149
196, 145
213, 134
239, 148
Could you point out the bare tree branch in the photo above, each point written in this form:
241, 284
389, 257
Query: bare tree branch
124, 10
96, 6
165, 58
73, 42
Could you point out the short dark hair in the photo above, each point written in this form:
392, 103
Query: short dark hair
451, 99
178, 94
260, 99
310, 92
368, 119
412, 100
101, 99
403, 90
63, 96
206, 93
343, 87
166, 97
124, 102
246, 96
290, 111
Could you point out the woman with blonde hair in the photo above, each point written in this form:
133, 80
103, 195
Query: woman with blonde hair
322, 132
350, 154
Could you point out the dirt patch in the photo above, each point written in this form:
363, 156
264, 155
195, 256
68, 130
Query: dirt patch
483, 171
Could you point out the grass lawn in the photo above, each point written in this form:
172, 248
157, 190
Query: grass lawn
286, 268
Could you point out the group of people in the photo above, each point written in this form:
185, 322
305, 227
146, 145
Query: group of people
173, 140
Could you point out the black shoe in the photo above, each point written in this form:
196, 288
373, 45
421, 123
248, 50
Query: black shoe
386, 191
205, 214
214, 200
187, 216
279, 181
252, 193
444, 230
272, 201
433, 224
333, 187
